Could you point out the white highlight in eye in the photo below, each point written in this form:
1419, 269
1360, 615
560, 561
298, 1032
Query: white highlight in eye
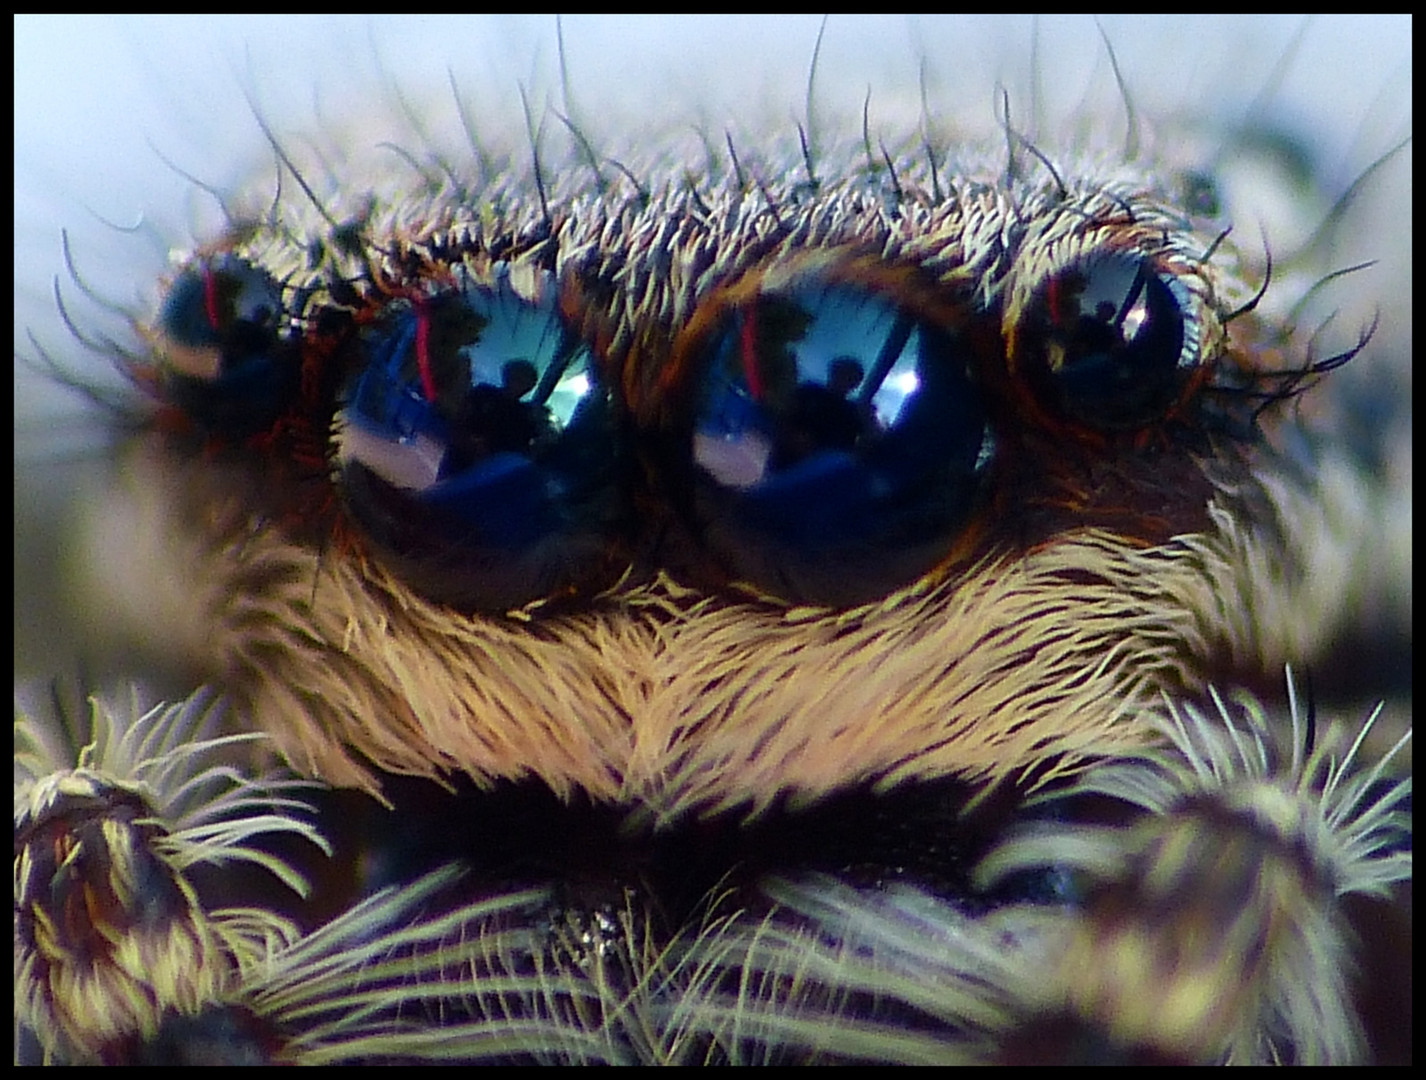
413, 464
567, 394
736, 461
899, 385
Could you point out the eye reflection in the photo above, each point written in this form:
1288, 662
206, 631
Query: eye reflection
478, 447
222, 359
837, 436
1109, 343
796, 385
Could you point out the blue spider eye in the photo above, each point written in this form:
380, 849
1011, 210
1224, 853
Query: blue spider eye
224, 362
838, 440
1106, 343
479, 451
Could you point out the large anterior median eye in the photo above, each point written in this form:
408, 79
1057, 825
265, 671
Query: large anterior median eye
1108, 342
837, 437
222, 360
478, 451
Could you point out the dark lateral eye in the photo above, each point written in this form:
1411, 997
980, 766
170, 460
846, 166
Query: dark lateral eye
837, 441
478, 449
223, 360
1106, 342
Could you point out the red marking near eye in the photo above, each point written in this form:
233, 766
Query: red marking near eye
423, 354
748, 347
1053, 300
210, 297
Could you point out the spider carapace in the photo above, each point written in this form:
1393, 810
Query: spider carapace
796, 612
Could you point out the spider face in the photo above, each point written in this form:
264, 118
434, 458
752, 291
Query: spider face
757, 594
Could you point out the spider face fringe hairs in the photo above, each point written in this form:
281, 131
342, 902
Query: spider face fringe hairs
807, 562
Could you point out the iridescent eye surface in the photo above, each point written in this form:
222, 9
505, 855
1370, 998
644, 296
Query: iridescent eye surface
223, 360
478, 448
1106, 342
837, 441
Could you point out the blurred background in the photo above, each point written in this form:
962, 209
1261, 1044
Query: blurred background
121, 124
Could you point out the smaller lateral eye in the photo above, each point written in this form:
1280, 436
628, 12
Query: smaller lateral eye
1108, 343
837, 439
222, 358
478, 449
